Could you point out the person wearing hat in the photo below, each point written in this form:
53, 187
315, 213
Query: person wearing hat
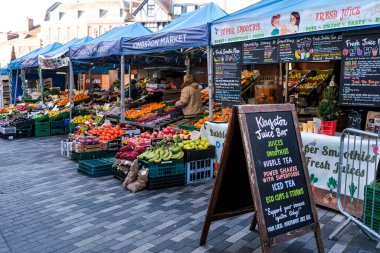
191, 98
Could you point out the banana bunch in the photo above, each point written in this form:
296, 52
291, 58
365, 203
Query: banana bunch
158, 154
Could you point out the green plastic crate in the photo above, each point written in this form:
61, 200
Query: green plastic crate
40, 132
56, 124
44, 118
88, 155
42, 125
165, 168
57, 131
96, 167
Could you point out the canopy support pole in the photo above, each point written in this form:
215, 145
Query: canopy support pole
41, 84
210, 82
286, 81
23, 81
90, 84
188, 65
17, 77
71, 88
122, 89
280, 93
129, 80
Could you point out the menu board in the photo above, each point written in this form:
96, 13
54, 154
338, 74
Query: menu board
227, 74
327, 47
316, 48
259, 52
280, 173
360, 73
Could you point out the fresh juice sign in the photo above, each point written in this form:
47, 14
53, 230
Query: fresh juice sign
348, 14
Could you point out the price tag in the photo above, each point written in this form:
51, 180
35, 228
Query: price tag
195, 135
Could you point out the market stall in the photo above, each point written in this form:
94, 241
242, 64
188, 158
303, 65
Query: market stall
277, 53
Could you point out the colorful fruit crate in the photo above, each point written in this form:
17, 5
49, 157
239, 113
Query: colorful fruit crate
164, 168
96, 167
89, 155
199, 171
166, 182
42, 118
195, 155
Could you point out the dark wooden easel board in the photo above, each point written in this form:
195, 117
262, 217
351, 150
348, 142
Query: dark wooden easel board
263, 170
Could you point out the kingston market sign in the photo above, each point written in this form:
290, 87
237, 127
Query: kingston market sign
342, 15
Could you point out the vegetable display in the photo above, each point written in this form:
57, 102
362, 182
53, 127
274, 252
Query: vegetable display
107, 133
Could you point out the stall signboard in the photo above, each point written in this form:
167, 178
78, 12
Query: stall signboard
314, 48
322, 158
260, 52
263, 151
309, 17
360, 71
227, 74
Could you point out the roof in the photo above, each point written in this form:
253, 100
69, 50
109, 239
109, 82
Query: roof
164, 4
108, 44
32, 59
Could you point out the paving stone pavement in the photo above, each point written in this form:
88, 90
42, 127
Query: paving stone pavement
46, 206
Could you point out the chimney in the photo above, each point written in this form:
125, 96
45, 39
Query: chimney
29, 24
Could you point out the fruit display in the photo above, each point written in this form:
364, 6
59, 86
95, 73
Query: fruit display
107, 133
77, 98
165, 150
295, 75
215, 117
159, 120
265, 94
138, 141
145, 109
165, 133
21, 123
147, 117
4, 110
82, 119
21, 107
308, 85
39, 116
87, 140
129, 153
226, 114
198, 144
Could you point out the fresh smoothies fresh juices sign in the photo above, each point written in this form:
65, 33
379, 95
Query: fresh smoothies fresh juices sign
307, 18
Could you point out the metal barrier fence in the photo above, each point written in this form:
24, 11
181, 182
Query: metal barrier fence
358, 196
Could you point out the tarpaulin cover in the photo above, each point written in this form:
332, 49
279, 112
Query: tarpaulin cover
4, 71
273, 18
16, 64
58, 58
32, 59
108, 44
186, 31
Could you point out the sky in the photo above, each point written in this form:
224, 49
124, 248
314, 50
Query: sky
13, 14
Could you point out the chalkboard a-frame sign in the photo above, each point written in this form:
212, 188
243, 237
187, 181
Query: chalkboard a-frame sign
263, 170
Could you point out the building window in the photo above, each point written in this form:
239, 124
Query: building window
190, 8
96, 32
177, 10
80, 13
121, 12
102, 12
61, 14
150, 8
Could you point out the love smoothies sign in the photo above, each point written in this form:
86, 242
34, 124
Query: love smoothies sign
360, 68
310, 17
263, 169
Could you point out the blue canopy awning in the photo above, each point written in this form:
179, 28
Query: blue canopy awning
16, 64
65, 48
32, 59
108, 44
186, 31
274, 18
4, 71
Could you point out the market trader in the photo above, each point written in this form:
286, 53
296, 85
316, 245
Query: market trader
191, 98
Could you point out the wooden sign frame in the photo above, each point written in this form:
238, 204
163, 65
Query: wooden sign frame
238, 126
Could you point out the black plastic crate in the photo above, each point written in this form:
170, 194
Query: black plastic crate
24, 132
166, 182
57, 124
119, 175
195, 155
